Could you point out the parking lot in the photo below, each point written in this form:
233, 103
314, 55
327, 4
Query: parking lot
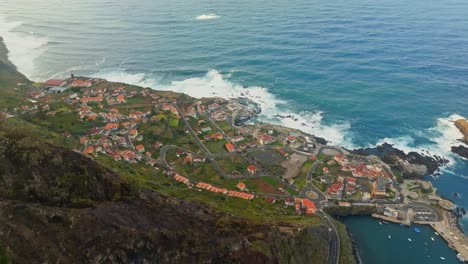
424, 214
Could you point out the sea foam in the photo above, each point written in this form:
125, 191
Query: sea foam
214, 84
24, 47
207, 16
442, 137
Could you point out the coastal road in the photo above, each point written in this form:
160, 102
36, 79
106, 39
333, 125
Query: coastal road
334, 239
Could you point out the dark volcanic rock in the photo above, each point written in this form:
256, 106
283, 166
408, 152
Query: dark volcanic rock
57, 206
392, 155
461, 151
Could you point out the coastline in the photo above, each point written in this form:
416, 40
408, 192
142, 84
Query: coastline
7, 62
4, 54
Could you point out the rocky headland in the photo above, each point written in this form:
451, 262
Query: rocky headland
461, 150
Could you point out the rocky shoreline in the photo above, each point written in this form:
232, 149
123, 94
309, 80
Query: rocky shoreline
412, 165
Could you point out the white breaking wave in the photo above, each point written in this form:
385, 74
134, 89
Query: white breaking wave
24, 47
208, 16
213, 84
443, 136
139, 79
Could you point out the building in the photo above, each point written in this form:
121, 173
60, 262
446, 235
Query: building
241, 186
140, 148
81, 83
206, 129
133, 133
36, 94
230, 147
181, 179
57, 89
390, 212
252, 169
121, 99
265, 139
55, 82
291, 139
326, 170
217, 136
378, 189
308, 206
335, 188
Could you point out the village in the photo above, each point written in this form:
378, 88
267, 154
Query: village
135, 126
200, 144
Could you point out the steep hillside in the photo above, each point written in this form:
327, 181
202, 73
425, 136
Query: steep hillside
58, 206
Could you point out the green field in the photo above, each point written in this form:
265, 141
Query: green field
301, 179
168, 130
233, 163
216, 146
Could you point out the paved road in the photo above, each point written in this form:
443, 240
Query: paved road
311, 187
194, 135
334, 239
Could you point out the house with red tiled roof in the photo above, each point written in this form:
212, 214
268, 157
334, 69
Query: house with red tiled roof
88, 150
326, 170
308, 206
265, 139
140, 148
36, 94
252, 169
230, 147
181, 179
335, 188
81, 83
133, 133
111, 126
291, 139
242, 195
55, 82
121, 99
217, 136
241, 186
83, 140
188, 159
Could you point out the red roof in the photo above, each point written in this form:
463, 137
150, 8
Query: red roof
251, 168
121, 98
140, 147
241, 185
55, 82
309, 206
229, 147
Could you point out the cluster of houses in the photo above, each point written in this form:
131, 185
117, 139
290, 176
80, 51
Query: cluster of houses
209, 187
380, 180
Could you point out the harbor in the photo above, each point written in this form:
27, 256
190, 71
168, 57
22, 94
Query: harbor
442, 222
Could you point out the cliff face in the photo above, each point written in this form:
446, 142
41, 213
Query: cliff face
57, 206
8, 72
462, 125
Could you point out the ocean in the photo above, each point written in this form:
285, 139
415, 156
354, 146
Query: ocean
358, 72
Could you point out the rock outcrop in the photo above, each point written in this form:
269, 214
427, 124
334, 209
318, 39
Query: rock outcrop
462, 151
462, 124
413, 164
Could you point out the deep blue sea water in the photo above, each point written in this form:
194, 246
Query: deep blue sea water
357, 72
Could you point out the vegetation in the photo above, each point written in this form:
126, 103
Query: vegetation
301, 179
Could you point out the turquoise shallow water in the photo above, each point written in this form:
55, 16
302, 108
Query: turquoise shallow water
356, 72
